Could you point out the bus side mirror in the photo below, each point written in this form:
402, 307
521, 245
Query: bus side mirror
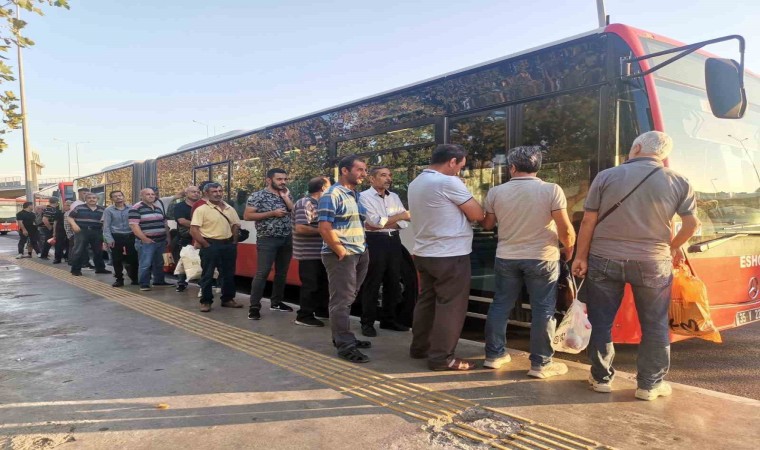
725, 89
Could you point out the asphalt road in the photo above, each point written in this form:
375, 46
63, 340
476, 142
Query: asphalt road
732, 367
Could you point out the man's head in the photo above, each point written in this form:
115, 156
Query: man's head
67, 205
213, 191
81, 192
202, 188
381, 178
91, 199
155, 190
29, 206
318, 185
352, 170
277, 179
117, 197
449, 158
653, 144
53, 201
192, 193
526, 159
148, 195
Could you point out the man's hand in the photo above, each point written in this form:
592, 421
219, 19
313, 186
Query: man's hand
580, 267
678, 256
285, 193
26, 233
76, 229
279, 213
341, 252
147, 240
567, 252
111, 244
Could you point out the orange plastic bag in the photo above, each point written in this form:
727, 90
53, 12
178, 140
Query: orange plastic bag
689, 313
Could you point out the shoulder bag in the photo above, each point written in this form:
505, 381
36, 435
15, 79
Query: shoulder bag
617, 205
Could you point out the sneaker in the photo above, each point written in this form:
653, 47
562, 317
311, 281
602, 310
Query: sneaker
605, 387
254, 314
199, 293
118, 283
496, 363
181, 288
550, 370
21, 256
280, 307
144, 288
661, 389
309, 322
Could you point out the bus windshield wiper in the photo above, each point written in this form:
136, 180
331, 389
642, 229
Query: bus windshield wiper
703, 246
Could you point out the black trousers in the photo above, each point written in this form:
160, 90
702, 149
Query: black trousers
315, 295
33, 239
45, 234
124, 256
384, 269
61, 246
221, 255
88, 238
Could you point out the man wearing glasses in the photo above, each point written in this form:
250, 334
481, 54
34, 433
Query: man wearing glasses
271, 208
214, 228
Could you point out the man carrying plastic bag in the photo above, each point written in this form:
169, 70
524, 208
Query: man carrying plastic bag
189, 263
690, 308
574, 332
634, 245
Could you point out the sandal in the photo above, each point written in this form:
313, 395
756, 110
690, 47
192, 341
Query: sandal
456, 364
354, 355
359, 344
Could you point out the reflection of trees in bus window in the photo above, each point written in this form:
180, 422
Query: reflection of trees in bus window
567, 127
174, 172
121, 179
392, 139
548, 71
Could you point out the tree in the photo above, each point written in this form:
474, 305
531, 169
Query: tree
10, 36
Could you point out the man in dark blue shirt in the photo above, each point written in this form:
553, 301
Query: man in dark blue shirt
86, 222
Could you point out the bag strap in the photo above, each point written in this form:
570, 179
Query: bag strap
617, 205
225, 217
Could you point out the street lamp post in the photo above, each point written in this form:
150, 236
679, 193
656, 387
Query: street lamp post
76, 147
30, 187
204, 124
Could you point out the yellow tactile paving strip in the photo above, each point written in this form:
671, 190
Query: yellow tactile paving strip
406, 398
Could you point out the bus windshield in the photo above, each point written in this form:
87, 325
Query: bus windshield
720, 157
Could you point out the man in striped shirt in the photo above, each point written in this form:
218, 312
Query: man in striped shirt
307, 250
148, 224
86, 222
344, 253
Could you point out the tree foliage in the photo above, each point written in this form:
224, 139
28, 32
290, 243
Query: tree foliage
11, 36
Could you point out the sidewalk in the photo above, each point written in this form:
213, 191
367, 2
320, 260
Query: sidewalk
83, 363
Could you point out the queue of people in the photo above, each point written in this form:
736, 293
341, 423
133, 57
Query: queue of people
347, 245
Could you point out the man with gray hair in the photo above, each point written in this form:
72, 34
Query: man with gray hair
532, 218
625, 238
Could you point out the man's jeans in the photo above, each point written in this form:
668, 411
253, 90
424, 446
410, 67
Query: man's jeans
346, 277
271, 250
150, 260
603, 293
540, 277
45, 235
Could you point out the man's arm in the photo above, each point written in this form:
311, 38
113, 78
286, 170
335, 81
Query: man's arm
330, 236
184, 222
489, 221
588, 224
74, 227
472, 210
107, 228
139, 233
306, 230
21, 228
195, 232
689, 225
46, 222
565, 231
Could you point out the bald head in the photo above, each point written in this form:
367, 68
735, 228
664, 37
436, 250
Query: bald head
148, 196
192, 193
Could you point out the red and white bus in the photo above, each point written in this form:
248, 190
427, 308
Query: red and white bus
8, 210
568, 96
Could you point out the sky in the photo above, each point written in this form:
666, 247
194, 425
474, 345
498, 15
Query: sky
129, 80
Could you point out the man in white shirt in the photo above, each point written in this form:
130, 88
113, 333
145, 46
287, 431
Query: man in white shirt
443, 209
386, 215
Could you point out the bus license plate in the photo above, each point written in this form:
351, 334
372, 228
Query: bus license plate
745, 317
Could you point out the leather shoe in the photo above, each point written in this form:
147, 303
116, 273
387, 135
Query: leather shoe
118, 283
205, 307
231, 304
369, 331
393, 326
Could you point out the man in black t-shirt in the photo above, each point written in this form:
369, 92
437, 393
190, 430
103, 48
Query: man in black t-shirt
27, 230
183, 214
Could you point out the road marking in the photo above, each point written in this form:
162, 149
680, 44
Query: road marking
409, 399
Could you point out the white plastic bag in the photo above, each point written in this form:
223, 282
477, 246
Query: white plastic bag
190, 260
574, 332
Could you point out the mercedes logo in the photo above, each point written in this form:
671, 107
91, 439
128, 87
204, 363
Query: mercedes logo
754, 288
